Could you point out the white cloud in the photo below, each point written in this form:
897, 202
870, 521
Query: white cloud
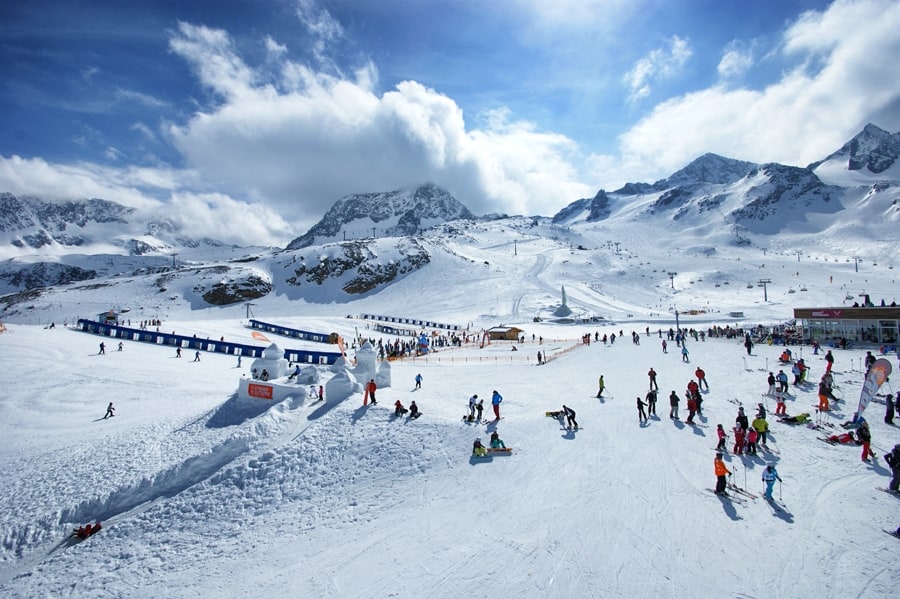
660, 63
736, 60
302, 144
845, 72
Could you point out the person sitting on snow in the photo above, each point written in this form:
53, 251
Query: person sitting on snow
798, 419
399, 410
847, 437
496, 441
414, 410
478, 449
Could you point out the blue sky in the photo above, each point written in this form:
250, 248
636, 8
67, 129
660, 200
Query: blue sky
251, 117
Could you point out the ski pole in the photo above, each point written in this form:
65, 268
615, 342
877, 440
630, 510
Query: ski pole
779, 489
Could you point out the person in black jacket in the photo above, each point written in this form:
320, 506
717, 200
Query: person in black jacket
742, 420
893, 460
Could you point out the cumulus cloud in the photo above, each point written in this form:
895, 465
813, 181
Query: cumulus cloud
844, 71
313, 137
736, 60
660, 63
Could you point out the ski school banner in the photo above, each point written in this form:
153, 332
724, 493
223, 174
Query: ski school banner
878, 374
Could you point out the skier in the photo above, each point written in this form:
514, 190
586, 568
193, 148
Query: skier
196, 356
472, 401
399, 410
865, 437
684, 353
842, 438
720, 432
110, 411
673, 403
771, 381
496, 441
370, 389
824, 392
691, 406
782, 379
570, 417
760, 411
414, 410
780, 408
748, 344
418, 381
321, 393
652, 375
798, 419
479, 407
889, 409
539, 358
769, 476
642, 416
742, 420
239, 361
478, 449
664, 346
121, 346
738, 440
602, 386
829, 361
102, 348
893, 460
178, 352
701, 378
721, 472
496, 398
752, 436
651, 402
761, 426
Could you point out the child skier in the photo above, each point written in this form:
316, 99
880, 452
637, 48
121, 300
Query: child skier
769, 476
720, 431
721, 472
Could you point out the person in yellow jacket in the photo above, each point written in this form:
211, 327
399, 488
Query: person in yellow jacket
721, 472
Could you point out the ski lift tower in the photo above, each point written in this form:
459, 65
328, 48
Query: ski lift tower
249, 311
762, 283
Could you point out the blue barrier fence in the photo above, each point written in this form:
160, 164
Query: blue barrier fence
289, 332
208, 345
414, 321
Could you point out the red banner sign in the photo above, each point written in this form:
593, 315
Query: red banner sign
260, 391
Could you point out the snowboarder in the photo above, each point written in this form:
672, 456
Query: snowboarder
893, 460
418, 381
769, 476
829, 361
399, 410
479, 407
651, 402
472, 402
870, 361
642, 416
496, 398
865, 438
652, 375
478, 449
701, 378
673, 403
889, 409
102, 348
721, 472
602, 386
496, 441
570, 416
414, 410
110, 411
720, 432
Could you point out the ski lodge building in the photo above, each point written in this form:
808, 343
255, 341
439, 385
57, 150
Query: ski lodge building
873, 325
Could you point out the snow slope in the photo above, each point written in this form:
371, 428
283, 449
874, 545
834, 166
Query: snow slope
342, 500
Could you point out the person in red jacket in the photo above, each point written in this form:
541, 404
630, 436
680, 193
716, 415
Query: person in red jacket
701, 378
370, 392
738, 440
692, 408
721, 472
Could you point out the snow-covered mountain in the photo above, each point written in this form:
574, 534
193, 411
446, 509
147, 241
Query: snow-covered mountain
369, 243
387, 214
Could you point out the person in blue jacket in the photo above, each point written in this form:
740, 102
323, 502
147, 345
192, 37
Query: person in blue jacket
418, 381
769, 476
496, 398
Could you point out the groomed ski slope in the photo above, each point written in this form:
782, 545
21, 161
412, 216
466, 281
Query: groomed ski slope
345, 501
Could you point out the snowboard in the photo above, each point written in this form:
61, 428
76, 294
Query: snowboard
893, 533
889, 492
500, 450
